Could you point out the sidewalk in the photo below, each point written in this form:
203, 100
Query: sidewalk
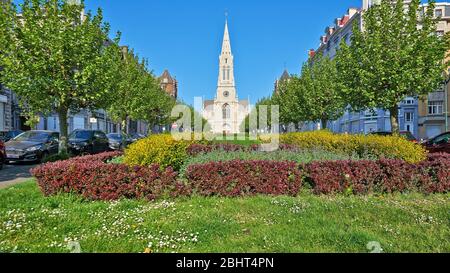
15, 174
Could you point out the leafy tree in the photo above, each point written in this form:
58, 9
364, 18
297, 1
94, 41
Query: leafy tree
314, 96
254, 123
397, 54
58, 59
138, 94
319, 93
286, 98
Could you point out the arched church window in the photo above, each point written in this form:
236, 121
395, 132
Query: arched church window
226, 111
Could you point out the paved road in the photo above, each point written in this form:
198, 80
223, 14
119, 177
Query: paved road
15, 173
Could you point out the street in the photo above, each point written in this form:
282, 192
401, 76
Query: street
15, 173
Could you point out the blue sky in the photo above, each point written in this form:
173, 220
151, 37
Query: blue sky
185, 37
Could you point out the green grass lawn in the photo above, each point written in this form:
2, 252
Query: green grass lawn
401, 223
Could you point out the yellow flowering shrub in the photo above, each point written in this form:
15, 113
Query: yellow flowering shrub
377, 146
157, 149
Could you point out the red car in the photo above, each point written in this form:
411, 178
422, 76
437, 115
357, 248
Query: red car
2, 154
439, 144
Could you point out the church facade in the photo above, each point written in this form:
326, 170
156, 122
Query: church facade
226, 112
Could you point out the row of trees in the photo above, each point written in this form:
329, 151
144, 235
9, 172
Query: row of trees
396, 54
58, 58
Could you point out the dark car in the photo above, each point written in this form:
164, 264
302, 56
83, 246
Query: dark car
119, 141
439, 144
136, 137
32, 146
2, 154
87, 142
405, 134
6, 136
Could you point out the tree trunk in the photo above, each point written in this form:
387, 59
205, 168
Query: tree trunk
394, 120
324, 123
63, 129
124, 126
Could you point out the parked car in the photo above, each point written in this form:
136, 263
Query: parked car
136, 137
406, 134
2, 154
6, 136
87, 142
439, 144
32, 146
119, 141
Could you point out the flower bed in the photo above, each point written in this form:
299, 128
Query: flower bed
94, 179
240, 178
382, 176
285, 154
379, 146
198, 149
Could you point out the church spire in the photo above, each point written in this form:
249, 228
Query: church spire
226, 44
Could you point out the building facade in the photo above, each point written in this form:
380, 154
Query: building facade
226, 112
433, 109
423, 117
169, 84
284, 78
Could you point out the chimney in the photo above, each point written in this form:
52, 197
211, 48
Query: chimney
311, 53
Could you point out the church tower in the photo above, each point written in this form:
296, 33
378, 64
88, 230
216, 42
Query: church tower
226, 113
226, 87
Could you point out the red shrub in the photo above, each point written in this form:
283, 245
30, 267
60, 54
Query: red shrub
434, 174
103, 157
196, 149
241, 178
95, 180
338, 176
382, 176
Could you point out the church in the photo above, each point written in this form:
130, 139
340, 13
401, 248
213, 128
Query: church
226, 112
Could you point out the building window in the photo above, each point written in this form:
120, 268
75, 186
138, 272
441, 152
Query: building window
228, 74
435, 107
224, 73
440, 33
226, 112
409, 117
438, 13
409, 101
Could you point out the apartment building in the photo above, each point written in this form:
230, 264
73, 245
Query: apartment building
423, 117
433, 109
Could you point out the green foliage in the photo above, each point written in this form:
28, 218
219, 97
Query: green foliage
57, 157
57, 58
303, 156
392, 58
157, 149
393, 147
314, 96
138, 94
117, 160
256, 113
